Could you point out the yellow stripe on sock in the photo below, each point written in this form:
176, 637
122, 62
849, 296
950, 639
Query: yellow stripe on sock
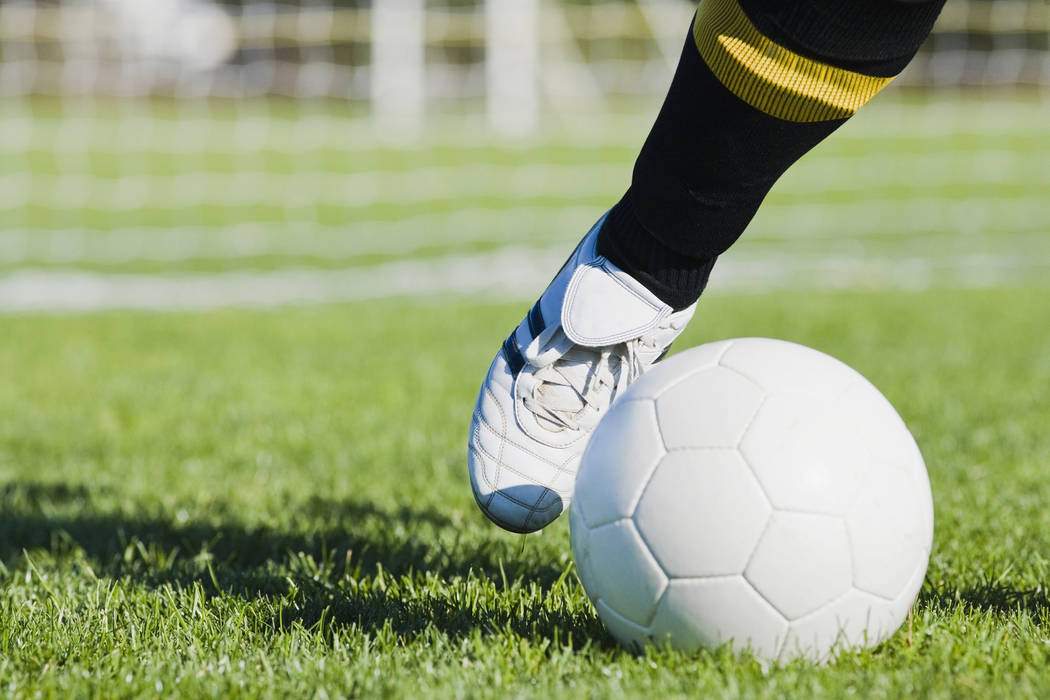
771, 78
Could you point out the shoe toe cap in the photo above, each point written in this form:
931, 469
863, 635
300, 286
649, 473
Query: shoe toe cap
510, 499
507, 507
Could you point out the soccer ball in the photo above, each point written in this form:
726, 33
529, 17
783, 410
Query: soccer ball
755, 492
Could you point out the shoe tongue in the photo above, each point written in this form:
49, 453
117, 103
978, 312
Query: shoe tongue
604, 305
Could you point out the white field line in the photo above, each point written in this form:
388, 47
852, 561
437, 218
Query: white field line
308, 189
995, 221
511, 273
992, 217
857, 175
249, 127
531, 225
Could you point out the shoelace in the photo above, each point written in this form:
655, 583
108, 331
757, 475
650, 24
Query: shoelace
572, 385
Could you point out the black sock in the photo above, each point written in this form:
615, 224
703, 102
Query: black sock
759, 84
676, 278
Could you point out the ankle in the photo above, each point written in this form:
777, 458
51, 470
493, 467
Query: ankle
675, 278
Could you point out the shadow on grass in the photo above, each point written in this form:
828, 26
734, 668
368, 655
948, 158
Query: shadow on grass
305, 569
990, 597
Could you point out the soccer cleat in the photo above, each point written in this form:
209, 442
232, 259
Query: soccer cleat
593, 332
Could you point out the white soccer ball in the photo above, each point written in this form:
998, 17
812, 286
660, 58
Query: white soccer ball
757, 492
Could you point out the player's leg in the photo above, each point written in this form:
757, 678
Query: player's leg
760, 82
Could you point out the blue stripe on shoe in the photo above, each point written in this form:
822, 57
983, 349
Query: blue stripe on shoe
515, 361
535, 320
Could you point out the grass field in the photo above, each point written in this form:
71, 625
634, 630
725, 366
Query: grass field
274, 502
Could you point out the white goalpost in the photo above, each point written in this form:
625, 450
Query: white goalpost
512, 64
397, 80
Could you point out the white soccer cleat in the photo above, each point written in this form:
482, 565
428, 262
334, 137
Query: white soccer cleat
593, 332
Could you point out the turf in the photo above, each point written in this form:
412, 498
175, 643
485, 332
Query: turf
275, 504
966, 173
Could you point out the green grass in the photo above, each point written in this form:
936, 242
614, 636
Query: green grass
947, 176
275, 504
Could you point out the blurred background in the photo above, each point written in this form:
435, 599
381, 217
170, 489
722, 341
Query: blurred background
164, 154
